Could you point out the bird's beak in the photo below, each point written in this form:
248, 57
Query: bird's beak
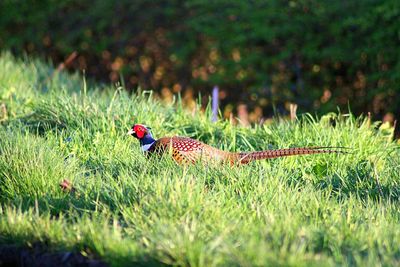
131, 132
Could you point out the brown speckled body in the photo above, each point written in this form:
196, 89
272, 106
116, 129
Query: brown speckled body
187, 150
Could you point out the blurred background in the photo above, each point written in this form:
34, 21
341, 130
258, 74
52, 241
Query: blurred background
263, 55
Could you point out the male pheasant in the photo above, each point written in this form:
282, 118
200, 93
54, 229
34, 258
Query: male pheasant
187, 150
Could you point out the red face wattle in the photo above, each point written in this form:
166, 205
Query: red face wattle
139, 130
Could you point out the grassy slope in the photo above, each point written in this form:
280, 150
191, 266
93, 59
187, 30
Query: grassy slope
321, 209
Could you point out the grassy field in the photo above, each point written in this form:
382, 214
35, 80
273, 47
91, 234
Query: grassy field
296, 211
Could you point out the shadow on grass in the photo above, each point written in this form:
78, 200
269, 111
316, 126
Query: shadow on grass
42, 255
13, 255
360, 181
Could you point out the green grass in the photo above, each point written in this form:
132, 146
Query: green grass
296, 211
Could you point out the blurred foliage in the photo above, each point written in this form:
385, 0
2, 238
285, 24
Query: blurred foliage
267, 54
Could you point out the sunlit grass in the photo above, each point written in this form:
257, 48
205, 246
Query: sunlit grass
306, 210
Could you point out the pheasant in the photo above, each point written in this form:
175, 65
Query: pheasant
187, 150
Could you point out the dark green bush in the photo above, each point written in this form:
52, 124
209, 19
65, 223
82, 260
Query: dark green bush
318, 54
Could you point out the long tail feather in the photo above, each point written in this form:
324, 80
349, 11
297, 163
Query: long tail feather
329, 147
246, 157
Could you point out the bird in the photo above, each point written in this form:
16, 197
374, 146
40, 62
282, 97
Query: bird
185, 150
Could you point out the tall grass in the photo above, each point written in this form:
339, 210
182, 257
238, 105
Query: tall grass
306, 210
